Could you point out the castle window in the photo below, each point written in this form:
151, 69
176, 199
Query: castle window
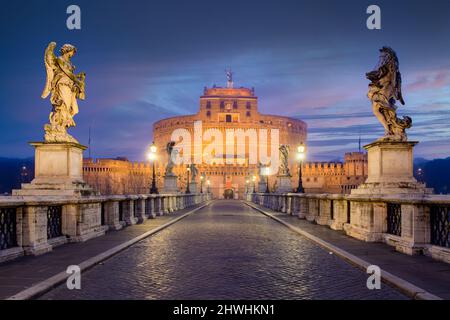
222, 105
235, 105
228, 118
248, 114
208, 105
208, 113
249, 105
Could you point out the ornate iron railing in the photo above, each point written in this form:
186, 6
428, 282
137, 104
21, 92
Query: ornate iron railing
332, 209
121, 210
8, 228
103, 213
54, 222
148, 207
394, 219
440, 225
135, 208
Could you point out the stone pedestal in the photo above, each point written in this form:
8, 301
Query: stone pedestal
390, 170
170, 184
58, 171
284, 184
193, 188
262, 186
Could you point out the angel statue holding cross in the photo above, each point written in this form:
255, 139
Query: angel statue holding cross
65, 87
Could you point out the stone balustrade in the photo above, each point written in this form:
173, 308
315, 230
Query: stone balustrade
413, 225
33, 227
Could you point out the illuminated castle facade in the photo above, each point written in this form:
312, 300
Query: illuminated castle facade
223, 109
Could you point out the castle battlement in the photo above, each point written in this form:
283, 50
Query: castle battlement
228, 92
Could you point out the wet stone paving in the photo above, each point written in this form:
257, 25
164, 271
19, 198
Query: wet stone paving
225, 251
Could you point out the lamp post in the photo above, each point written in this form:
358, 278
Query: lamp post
24, 175
188, 174
254, 184
152, 158
202, 177
300, 156
267, 173
246, 185
419, 174
208, 183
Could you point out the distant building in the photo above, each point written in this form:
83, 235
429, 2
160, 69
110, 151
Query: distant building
117, 176
222, 109
120, 176
335, 177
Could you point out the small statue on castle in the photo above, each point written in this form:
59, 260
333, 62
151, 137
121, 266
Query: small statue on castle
65, 88
384, 90
284, 160
229, 78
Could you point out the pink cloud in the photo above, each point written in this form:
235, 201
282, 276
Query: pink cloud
299, 103
430, 79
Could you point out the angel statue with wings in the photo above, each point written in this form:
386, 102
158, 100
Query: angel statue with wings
284, 160
65, 88
171, 156
194, 171
384, 90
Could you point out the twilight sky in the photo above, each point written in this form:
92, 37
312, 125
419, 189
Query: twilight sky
147, 60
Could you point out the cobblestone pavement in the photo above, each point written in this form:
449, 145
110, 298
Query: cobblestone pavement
225, 251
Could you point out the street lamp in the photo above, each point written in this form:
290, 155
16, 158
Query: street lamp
152, 158
254, 184
24, 175
246, 185
419, 174
267, 173
208, 183
188, 175
202, 177
300, 157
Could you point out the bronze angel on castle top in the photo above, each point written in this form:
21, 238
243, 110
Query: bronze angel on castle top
385, 90
65, 87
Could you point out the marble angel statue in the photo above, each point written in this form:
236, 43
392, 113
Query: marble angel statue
171, 154
284, 160
64, 88
194, 171
259, 172
384, 90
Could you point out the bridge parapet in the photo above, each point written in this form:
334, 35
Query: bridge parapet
35, 225
413, 225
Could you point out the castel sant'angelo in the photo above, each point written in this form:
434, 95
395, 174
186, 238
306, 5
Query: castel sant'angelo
224, 108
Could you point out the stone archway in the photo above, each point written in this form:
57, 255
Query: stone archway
228, 194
